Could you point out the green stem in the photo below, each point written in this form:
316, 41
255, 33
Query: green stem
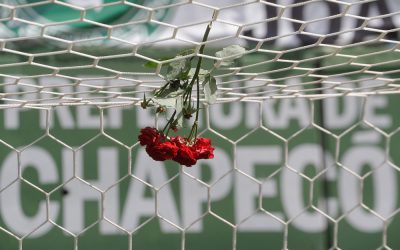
159, 92
190, 95
197, 104
193, 131
169, 122
187, 96
198, 66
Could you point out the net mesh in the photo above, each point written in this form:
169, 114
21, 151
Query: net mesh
312, 90
332, 43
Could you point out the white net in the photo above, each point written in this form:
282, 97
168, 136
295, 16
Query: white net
293, 51
305, 126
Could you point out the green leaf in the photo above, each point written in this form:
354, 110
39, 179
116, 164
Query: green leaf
150, 64
210, 89
178, 69
230, 53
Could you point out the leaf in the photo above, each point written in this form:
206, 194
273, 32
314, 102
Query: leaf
167, 102
210, 89
233, 51
178, 69
175, 94
230, 53
202, 74
150, 64
176, 103
170, 93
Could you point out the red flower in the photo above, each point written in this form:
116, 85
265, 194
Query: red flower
149, 136
162, 151
203, 148
186, 155
179, 140
179, 149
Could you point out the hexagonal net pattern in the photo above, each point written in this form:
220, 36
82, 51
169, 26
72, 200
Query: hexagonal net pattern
305, 125
292, 51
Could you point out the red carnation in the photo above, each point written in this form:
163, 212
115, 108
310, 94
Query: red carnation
186, 155
149, 136
203, 148
179, 149
179, 140
162, 151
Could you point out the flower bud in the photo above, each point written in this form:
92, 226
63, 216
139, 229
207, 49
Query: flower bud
161, 109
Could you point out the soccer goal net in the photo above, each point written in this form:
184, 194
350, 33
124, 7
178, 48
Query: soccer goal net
299, 99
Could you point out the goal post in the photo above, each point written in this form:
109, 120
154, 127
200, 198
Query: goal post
305, 126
